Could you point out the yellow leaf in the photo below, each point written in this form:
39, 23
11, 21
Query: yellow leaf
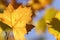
50, 13
6, 16
53, 26
53, 32
58, 15
41, 26
17, 19
20, 17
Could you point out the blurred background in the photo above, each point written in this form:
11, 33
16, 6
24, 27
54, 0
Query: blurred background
32, 34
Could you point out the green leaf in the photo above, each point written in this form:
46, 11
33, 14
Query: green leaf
41, 25
50, 13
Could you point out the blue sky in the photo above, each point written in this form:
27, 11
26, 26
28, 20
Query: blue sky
32, 34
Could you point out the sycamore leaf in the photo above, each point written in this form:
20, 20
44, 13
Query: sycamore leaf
19, 22
17, 19
50, 13
40, 26
54, 26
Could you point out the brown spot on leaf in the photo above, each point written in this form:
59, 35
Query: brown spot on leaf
29, 27
55, 24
